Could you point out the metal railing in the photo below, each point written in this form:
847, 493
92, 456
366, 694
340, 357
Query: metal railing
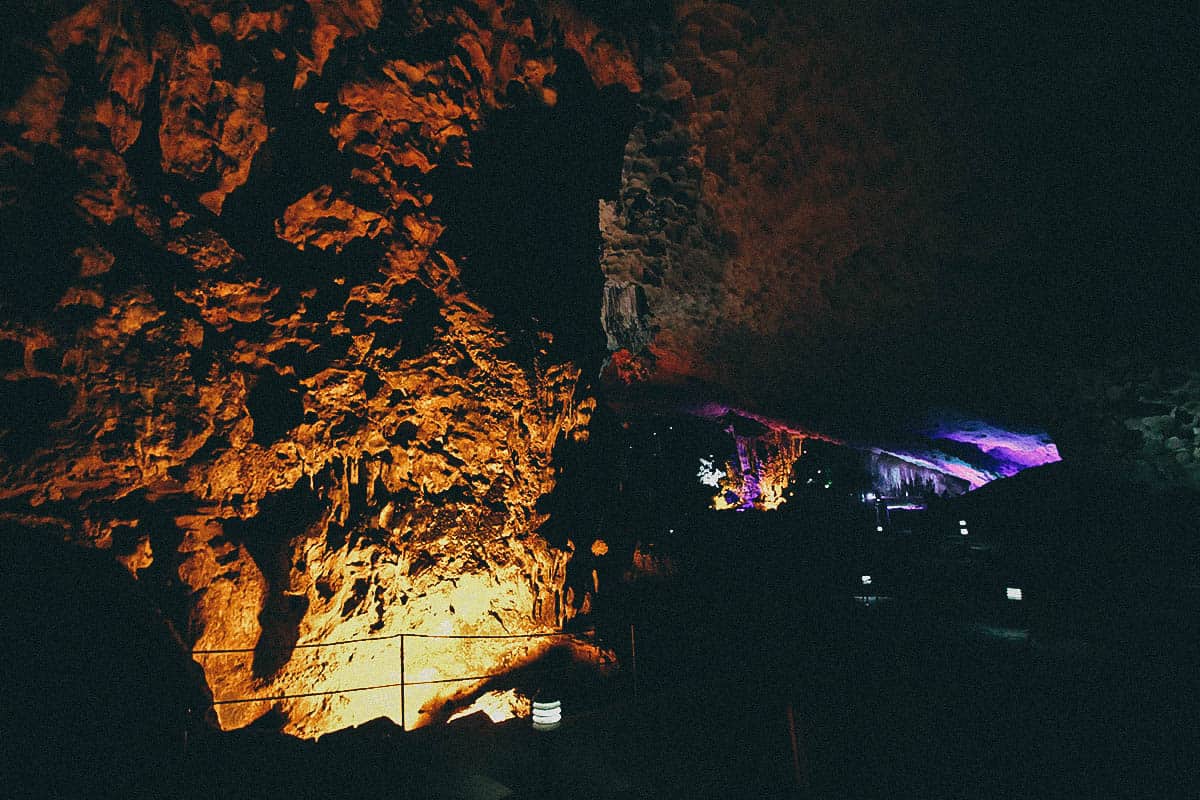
403, 681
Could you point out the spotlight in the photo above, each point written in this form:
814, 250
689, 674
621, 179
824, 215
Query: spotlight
962, 522
1013, 594
879, 529
866, 579
963, 531
547, 714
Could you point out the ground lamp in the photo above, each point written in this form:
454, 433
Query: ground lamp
547, 714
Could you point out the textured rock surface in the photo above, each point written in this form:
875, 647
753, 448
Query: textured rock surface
1140, 422
762, 176
758, 475
250, 372
843, 214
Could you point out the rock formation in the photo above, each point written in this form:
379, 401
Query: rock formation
243, 364
770, 164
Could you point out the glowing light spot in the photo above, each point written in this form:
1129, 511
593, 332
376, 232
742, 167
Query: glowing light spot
879, 529
962, 522
547, 714
866, 579
963, 531
709, 474
1013, 594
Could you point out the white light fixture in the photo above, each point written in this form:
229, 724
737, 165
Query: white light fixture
879, 529
963, 531
962, 522
1013, 593
547, 714
866, 579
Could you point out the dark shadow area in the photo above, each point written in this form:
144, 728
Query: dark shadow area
36, 268
950, 689
30, 406
525, 216
275, 404
268, 536
98, 694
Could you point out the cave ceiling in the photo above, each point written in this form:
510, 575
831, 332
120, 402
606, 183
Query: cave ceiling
855, 216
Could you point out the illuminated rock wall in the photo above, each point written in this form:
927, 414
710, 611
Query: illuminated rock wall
294, 425
759, 474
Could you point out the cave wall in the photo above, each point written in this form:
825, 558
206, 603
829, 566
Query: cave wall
236, 357
1133, 421
776, 184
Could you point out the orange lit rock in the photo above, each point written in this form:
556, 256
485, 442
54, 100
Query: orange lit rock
38, 111
609, 63
210, 128
321, 220
94, 260
301, 455
334, 20
498, 706
108, 193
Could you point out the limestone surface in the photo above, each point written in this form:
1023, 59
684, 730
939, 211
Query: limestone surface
246, 367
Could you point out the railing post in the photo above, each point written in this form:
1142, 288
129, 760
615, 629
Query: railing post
403, 724
799, 758
633, 659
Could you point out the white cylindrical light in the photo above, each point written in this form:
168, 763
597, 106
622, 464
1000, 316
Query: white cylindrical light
547, 714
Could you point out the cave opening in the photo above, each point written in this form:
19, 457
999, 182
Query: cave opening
524, 216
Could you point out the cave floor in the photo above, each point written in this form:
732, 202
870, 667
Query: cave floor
902, 700
898, 704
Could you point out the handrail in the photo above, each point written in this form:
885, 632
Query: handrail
390, 637
402, 683
268, 698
